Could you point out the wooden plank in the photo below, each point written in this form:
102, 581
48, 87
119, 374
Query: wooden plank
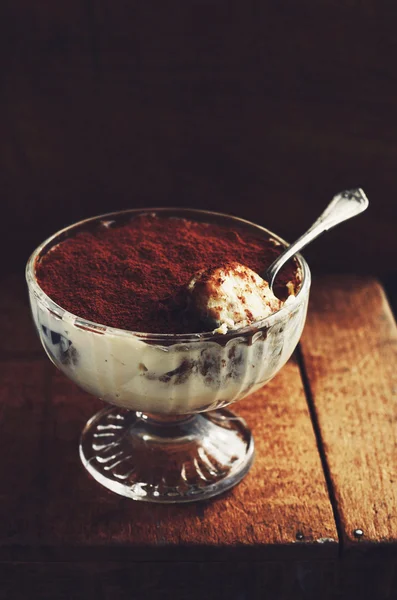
280, 511
350, 353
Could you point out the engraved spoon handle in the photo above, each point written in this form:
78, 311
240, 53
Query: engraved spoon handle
344, 206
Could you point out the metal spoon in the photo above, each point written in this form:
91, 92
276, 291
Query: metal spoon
344, 206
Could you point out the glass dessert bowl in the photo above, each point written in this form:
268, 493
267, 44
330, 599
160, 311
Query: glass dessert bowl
166, 436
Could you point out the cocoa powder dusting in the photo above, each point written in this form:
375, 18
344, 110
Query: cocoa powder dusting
134, 276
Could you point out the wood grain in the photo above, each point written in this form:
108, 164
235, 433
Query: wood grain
244, 543
281, 510
283, 496
350, 354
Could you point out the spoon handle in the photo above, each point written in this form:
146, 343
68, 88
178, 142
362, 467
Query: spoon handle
344, 206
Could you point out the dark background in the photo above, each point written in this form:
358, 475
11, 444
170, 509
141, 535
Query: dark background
260, 109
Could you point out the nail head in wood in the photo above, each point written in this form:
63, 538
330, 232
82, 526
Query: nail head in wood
358, 533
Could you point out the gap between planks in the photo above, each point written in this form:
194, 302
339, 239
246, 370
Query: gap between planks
349, 354
320, 446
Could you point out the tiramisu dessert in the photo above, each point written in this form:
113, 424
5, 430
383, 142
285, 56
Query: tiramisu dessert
166, 314
165, 275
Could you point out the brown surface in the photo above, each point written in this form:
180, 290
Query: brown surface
264, 110
350, 354
136, 271
246, 541
283, 495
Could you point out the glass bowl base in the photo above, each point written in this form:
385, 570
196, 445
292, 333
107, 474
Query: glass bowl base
166, 459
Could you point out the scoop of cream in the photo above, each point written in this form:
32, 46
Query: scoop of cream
232, 296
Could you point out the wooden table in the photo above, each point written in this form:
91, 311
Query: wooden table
316, 517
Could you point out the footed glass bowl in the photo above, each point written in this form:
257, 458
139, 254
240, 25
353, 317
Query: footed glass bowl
166, 436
